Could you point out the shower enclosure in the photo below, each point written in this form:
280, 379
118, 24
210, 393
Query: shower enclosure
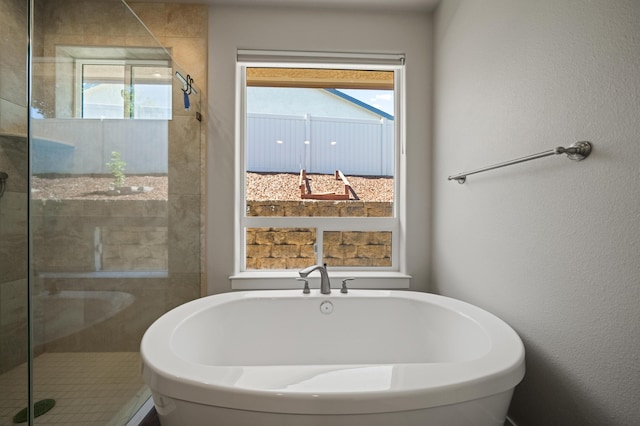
100, 213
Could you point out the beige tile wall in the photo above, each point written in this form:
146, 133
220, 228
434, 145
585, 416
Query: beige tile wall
183, 30
13, 204
13, 65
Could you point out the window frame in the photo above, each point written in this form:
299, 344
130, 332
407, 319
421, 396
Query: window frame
393, 276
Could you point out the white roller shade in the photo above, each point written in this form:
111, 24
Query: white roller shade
295, 57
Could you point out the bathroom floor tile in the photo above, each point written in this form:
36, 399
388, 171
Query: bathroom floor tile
90, 388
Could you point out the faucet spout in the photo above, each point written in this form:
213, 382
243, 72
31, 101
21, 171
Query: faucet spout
325, 284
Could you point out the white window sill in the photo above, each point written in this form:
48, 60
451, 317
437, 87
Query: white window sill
261, 280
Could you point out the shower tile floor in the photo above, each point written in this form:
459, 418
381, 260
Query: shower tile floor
90, 388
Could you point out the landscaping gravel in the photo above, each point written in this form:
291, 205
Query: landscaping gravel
260, 186
96, 188
285, 186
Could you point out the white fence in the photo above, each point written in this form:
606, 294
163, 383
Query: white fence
84, 146
278, 143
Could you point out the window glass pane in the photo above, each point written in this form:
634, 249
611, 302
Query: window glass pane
357, 248
280, 248
319, 145
151, 92
316, 150
103, 91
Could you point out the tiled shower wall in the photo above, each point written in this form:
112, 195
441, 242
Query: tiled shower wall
183, 30
13, 204
13, 254
13, 67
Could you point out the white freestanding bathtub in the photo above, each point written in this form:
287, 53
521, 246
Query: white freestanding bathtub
369, 357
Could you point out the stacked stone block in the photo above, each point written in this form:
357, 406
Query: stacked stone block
357, 248
313, 208
293, 248
280, 248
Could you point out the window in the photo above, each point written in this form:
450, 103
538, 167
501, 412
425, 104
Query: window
320, 163
123, 89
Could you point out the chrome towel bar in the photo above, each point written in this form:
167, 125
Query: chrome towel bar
577, 151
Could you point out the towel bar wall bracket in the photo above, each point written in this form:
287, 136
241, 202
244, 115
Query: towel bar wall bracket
577, 152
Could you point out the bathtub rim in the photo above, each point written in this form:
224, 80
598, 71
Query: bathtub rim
501, 369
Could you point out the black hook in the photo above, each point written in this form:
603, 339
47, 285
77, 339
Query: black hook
189, 82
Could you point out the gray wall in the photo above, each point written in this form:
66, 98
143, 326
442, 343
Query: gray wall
321, 30
551, 246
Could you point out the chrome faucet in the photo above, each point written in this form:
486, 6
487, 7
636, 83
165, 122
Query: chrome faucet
325, 285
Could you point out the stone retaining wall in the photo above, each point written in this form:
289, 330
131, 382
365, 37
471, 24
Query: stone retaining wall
293, 248
317, 208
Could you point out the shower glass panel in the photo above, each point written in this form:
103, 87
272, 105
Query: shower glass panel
115, 218
14, 341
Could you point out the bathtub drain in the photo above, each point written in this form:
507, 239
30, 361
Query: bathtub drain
326, 307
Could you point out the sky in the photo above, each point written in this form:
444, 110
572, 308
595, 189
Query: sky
381, 99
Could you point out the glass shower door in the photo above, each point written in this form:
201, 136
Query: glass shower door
111, 225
